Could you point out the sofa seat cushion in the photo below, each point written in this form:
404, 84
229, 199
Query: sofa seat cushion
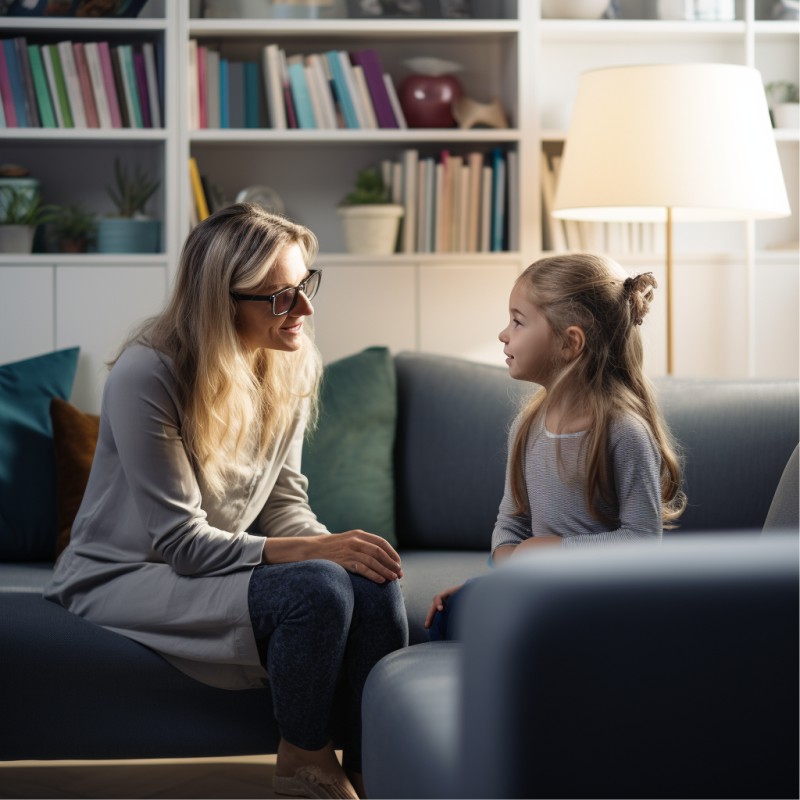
32, 577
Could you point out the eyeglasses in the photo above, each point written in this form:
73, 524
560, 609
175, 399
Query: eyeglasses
286, 299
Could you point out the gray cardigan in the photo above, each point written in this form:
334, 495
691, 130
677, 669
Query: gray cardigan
154, 555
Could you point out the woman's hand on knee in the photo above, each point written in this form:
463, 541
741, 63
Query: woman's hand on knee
438, 603
364, 554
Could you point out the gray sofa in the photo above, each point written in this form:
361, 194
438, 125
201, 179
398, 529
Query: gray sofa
73, 690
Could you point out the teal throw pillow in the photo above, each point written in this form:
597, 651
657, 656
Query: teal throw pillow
28, 521
349, 458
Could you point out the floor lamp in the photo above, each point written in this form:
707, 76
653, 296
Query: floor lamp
672, 143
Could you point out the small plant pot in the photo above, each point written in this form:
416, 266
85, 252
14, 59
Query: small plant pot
786, 115
127, 235
16, 238
371, 229
24, 187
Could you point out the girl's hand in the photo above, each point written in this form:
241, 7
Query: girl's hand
537, 543
362, 553
438, 603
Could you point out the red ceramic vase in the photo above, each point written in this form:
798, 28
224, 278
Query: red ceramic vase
426, 100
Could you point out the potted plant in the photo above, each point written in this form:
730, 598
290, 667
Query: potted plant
131, 230
370, 221
21, 210
74, 228
784, 100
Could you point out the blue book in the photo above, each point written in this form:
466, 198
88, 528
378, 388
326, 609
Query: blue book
15, 78
252, 95
302, 99
224, 95
236, 94
342, 93
498, 199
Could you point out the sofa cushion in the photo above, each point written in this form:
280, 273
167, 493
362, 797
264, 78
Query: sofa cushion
75, 440
348, 459
27, 464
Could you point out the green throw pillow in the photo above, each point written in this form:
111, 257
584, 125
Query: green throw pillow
349, 458
27, 464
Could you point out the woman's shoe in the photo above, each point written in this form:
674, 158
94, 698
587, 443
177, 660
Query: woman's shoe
312, 781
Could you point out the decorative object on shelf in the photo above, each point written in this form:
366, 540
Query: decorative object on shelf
470, 113
573, 9
708, 10
264, 196
74, 228
427, 95
372, 9
371, 223
21, 211
131, 230
73, 8
784, 103
672, 156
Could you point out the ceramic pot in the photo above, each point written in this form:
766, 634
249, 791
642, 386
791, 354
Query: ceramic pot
371, 229
786, 115
128, 235
16, 238
426, 100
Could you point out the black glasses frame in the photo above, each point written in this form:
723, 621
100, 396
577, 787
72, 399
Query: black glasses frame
270, 298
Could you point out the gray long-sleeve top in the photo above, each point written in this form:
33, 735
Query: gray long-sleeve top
154, 555
556, 488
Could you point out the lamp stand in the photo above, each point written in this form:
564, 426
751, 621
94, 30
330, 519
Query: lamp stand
670, 357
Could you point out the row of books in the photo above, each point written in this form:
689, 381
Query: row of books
80, 85
334, 89
616, 238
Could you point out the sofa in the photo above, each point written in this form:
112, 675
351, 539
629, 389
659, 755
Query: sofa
73, 690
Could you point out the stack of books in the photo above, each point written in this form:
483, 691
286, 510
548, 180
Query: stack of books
334, 89
81, 85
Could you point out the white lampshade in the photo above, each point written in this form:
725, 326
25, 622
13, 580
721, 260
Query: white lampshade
695, 138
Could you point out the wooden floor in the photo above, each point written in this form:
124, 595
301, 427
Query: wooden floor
239, 777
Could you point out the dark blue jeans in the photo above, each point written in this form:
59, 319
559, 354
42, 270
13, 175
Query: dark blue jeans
319, 631
445, 622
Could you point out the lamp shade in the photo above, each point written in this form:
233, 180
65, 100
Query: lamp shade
695, 138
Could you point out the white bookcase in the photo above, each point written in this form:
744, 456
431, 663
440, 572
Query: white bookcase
442, 303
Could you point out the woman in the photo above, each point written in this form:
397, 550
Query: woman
201, 433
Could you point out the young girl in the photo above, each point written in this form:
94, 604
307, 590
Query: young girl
590, 458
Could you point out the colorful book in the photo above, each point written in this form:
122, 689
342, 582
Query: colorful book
369, 61
119, 84
153, 93
486, 210
475, 167
60, 95
395, 101
409, 220
109, 87
300, 95
288, 100
236, 88
498, 200
31, 104
252, 95
85, 81
202, 87
2, 112
15, 80
512, 182
212, 88
224, 94
365, 101
318, 79
141, 86
5, 91
128, 74
67, 56
200, 202
342, 91
92, 52
273, 86
43, 99
352, 88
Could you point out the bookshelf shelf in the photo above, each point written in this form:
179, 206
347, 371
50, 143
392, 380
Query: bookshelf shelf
325, 138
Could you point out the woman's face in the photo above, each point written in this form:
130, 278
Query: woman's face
257, 325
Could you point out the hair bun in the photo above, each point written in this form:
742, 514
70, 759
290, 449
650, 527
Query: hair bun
638, 291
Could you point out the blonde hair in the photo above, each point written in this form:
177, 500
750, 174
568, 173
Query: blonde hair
231, 395
605, 380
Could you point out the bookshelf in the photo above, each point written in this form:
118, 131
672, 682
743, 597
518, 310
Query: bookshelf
451, 303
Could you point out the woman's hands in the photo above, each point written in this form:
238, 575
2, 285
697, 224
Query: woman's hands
438, 603
362, 553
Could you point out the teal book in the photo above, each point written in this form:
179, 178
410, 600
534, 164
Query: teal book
236, 94
342, 92
498, 200
302, 99
129, 83
61, 86
224, 94
252, 95
43, 99
15, 78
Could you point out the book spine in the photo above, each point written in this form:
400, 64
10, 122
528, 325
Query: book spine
2, 112
212, 88
61, 86
475, 165
104, 54
316, 98
373, 73
129, 82
92, 52
352, 89
202, 87
6, 91
300, 96
31, 106
273, 88
85, 82
224, 94
395, 101
193, 78
70, 71
486, 209
197, 190
409, 221
15, 78
498, 200
288, 100
320, 80
370, 120
236, 89
153, 94
119, 82
159, 56
45, 102
252, 95
342, 90
141, 86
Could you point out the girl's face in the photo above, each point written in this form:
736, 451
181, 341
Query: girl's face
529, 345
257, 325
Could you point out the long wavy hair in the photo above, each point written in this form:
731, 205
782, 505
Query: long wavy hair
605, 380
232, 397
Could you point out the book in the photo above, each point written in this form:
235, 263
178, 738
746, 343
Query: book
31, 104
119, 83
475, 166
512, 172
273, 86
193, 79
486, 209
70, 71
352, 89
198, 193
236, 89
342, 90
92, 53
202, 87
85, 83
53, 58
337, 106
212, 88
252, 95
6, 92
395, 101
104, 53
553, 236
141, 86
2, 112
153, 92
128, 73
224, 94
319, 79
15, 81
288, 100
43, 98
409, 220
365, 101
314, 95
300, 94
369, 61
441, 214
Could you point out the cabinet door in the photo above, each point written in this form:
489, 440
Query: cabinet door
463, 309
26, 312
362, 306
96, 308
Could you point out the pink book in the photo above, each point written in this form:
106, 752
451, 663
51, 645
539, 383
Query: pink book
108, 81
201, 86
5, 91
86, 85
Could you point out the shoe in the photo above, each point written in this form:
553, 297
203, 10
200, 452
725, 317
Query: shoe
312, 781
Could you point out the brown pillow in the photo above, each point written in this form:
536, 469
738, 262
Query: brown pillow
75, 440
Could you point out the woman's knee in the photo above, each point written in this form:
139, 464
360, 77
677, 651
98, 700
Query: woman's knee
327, 590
